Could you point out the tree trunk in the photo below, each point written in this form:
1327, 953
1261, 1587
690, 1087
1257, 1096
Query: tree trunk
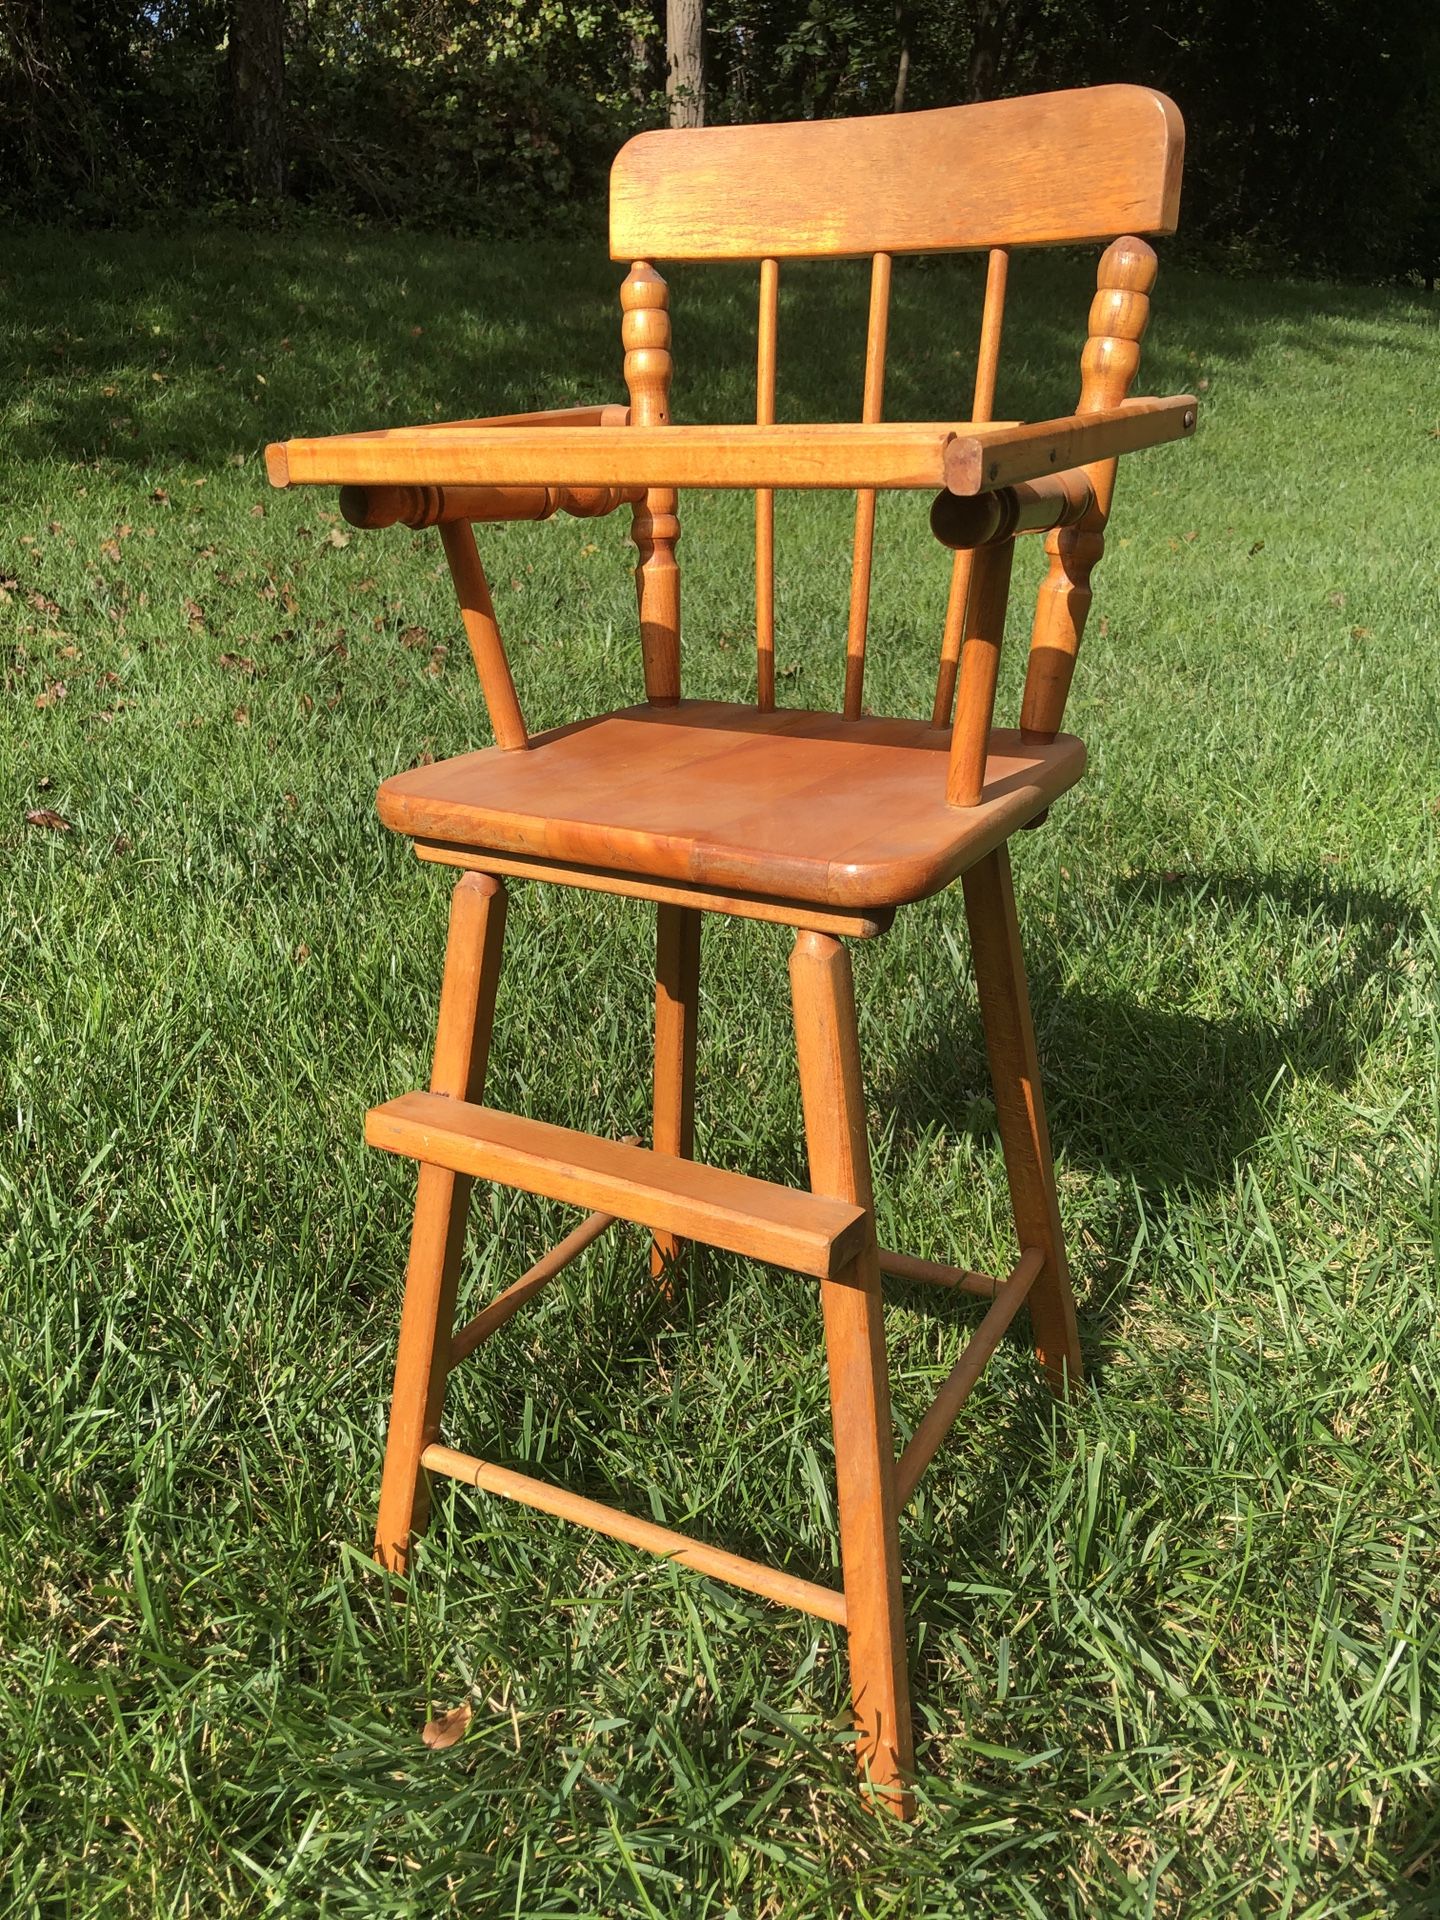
685, 62
257, 90
905, 24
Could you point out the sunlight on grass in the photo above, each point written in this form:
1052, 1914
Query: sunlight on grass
1176, 1652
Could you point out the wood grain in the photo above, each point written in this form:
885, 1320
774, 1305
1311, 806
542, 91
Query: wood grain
832, 1092
795, 805
999, 456
462, 1052
840, 456
677, 1016
755, 1218
876, 335
987, 367
1052, 168
960, 1382
772, 1583
1119, 315
765, 351
1020, 1110
654, 525
482, 631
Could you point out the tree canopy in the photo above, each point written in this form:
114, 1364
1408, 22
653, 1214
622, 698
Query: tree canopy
1314, 129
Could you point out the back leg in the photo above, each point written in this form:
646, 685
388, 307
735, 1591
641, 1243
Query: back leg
1020, 1107
677, 998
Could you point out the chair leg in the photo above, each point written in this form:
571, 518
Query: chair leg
462, 1051
1020, 1107
677, 1001
827, 1045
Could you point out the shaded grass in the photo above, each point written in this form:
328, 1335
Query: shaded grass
1176, 1650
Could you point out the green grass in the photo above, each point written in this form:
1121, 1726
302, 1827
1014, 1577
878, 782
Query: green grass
1175, 1651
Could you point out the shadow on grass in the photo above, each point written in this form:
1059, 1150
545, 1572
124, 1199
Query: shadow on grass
146, 348
1162, 1100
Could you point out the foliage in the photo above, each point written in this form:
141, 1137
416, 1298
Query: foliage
1312, 122
1177, 1652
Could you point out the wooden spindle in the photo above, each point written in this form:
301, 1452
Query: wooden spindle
482, 630
1118, 317
873, 406
979, 670
655, 529
764, 496
992, 325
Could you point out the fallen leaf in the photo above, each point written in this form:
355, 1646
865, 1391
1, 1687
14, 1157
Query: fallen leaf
447, 1729
159, 493
121, 844
45, 783
238, 663
241, 716
53, 694
335, 538
1336, 599
1362, 633
257, 512
415, 637
307, 703
194, 616
1258, 547
47, 817
70, 652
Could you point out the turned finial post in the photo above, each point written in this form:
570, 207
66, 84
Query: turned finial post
655, 529
1119, 314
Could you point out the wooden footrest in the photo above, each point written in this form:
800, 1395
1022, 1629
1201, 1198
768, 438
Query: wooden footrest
780, 1225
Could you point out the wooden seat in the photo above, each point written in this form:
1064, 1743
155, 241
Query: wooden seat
827, 823
800, 806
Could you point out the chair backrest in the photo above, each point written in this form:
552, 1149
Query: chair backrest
1091, 164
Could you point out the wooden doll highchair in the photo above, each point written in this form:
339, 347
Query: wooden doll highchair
823, 822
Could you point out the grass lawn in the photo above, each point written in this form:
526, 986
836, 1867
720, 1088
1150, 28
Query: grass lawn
1177, 1650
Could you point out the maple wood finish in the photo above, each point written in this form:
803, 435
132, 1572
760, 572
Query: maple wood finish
824, 822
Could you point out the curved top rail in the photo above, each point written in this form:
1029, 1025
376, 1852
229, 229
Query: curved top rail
1085, 164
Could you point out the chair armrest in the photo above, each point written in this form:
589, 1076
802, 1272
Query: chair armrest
979, 461
276, 454
886, 454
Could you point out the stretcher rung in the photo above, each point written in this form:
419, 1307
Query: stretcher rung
772, 1583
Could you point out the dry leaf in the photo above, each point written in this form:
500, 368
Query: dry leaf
1362, 633
336, 538
45, 783
159, 493
238, 663
195, 616
415, 637
241, 716
1258, 547
121, 844
447, 1729
47, 817
53, 694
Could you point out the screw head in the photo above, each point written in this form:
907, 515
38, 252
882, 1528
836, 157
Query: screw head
1189, 419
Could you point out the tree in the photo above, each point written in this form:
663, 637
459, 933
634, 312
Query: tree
685, 62
257, 93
